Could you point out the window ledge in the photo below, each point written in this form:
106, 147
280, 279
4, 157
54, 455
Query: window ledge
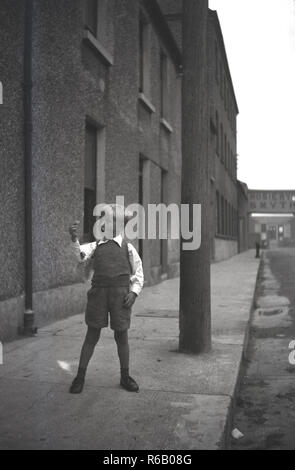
166, 125
98, 47
151, 108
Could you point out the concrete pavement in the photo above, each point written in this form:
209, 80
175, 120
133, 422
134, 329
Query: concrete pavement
184, 400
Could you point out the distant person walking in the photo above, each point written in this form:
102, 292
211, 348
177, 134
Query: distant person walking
257, 246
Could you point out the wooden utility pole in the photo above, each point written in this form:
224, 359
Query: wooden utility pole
195, 310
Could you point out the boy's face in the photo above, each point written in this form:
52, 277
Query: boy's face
111, 224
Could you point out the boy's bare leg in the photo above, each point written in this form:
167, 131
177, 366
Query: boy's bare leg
121, 338
91, 340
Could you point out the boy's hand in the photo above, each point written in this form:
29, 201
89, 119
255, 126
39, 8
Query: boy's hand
73, 231
129, 299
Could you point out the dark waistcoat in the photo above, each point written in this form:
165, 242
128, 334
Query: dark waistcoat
111, 265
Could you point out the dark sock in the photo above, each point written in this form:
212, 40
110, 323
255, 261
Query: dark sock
121, 338
125, 372
81, 373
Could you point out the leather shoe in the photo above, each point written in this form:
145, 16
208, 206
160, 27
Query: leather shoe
129, 384
77, 385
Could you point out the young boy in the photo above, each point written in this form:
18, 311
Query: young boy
117, 281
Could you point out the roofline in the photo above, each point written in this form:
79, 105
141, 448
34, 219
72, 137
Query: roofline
242, 183
213, 14
244, 187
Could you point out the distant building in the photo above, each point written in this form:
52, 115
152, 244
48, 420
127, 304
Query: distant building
272, 231
271, 216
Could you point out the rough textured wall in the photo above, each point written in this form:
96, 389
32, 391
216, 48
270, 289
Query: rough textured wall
72, 82
224, 249
122, 159
67, 88
11, 150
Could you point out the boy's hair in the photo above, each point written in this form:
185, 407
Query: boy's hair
119, 212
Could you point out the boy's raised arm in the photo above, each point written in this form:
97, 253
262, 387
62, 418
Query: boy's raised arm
85, 255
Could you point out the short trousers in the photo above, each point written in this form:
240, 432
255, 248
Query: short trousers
105, 301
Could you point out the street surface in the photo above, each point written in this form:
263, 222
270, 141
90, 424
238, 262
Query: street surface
265, 411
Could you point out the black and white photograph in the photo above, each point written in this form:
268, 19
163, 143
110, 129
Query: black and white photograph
147, 227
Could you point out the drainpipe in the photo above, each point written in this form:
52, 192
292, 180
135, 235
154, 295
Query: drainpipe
28, 326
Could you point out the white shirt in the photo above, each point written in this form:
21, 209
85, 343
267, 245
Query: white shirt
136, 278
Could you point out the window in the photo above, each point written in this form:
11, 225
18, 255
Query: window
141, 55
226, 217
222, 216
99, 28
234, 122
230, 220
164, 85
91, 16
225, 151
217, 133
102, 21
221, 142
224, 90
96, 19
218, 218
216, 63
220, 79
225, 93
164, 242
94, 175
144, 56
89, 181
233, 166
232, 116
